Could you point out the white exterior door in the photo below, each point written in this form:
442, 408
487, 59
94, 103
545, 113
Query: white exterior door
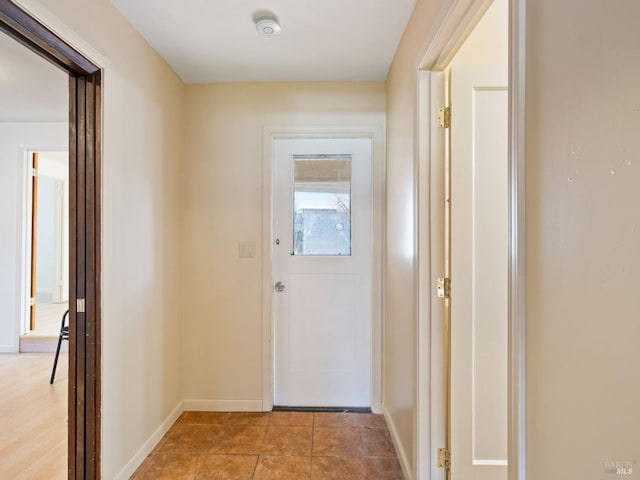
479, 262
322, 272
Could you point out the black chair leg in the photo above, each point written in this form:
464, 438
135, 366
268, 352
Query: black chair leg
64, 335
55, 361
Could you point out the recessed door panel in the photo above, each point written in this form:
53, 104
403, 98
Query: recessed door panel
479, 275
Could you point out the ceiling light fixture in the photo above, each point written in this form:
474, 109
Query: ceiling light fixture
267, 26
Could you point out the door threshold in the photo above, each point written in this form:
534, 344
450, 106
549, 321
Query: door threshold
279, 408
40, 344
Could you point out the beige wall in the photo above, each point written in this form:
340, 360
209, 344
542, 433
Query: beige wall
222, 338
143, 150
583, 236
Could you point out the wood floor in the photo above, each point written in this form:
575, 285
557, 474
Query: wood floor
33, 417
274, 446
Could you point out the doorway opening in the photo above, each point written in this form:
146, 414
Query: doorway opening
476, 248
83, 144
46, 244
468, 218
33, 112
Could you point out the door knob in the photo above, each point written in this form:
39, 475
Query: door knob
279, 286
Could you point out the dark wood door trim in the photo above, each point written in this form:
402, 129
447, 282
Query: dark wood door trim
84, 332
85, 113
38, 38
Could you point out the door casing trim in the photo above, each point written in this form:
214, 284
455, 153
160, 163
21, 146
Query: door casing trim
376, 134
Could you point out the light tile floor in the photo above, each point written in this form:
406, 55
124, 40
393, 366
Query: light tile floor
278, 446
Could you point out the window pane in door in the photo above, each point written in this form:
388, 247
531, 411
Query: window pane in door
322, 205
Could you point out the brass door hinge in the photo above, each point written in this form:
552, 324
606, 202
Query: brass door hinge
444, 117
444, 288
444, 459
80, 305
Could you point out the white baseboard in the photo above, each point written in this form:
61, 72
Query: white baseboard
191, 405
7, 348
402, 454
33, 344
149, 445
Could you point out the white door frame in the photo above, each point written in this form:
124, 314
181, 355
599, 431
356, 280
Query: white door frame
376, 134
24, 233
458, 21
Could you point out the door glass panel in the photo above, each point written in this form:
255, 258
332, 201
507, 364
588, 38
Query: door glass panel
322, 205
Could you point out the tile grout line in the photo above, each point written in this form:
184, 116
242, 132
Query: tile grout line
362, 447
313, 433
264, 441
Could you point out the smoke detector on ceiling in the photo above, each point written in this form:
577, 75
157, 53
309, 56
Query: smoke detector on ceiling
268, 26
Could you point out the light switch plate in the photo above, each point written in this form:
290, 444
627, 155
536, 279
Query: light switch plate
247, 249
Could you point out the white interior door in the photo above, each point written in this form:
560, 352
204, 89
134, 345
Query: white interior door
53, 171
479, 262
322, 272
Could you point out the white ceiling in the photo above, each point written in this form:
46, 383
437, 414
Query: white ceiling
31, 89
321, 40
